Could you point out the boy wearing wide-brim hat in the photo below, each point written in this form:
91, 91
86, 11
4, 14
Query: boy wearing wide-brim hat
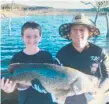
85, 57
81, 19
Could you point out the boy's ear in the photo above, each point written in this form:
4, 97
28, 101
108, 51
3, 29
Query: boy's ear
90, 34
22, 37
69, 36
40, 38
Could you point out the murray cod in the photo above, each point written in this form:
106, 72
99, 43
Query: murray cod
58, 80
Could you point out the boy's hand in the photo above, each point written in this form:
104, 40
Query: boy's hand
37, 85
7, 86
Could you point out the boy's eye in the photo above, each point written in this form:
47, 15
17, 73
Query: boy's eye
74, 29
35, 36
28, 37
82, 30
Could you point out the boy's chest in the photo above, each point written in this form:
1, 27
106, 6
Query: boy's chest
32, 59
86, 63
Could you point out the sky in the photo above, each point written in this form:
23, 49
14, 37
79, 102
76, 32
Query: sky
66, 4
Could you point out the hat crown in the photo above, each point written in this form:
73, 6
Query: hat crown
79, 16
82, 19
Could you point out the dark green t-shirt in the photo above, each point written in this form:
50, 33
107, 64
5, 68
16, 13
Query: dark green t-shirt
92, 60
32, 96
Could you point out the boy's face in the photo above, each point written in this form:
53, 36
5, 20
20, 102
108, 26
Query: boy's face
31, 37
79, 34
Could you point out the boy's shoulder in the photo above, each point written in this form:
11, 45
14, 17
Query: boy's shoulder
18, 54
44, 52
65, 49
96, 48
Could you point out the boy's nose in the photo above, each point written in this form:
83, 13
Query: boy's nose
78, 32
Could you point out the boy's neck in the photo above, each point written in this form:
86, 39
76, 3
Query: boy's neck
31, 51
80, 48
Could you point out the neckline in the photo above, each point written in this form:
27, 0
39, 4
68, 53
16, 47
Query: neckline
85, 48
31, 54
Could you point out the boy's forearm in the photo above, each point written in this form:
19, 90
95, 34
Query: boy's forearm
104, 85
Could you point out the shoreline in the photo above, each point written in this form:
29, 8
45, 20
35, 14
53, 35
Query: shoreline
46, 12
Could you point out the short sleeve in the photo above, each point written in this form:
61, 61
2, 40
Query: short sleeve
104, 64
13, 59
104, 70
48, 58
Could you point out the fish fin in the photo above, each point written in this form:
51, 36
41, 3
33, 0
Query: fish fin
61, 95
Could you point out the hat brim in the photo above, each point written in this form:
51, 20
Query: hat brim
64, 29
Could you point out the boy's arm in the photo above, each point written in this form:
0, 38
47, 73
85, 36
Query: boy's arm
38, 86
104, 83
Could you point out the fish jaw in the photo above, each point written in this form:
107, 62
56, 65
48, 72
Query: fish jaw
24, 78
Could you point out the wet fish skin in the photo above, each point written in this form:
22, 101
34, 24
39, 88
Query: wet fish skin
60, 81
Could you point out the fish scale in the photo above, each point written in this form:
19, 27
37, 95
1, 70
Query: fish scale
58, 80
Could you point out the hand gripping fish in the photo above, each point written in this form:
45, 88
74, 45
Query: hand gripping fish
58, 80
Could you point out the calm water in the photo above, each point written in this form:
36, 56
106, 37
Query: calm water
51, 41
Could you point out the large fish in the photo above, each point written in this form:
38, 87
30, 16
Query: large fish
58, 80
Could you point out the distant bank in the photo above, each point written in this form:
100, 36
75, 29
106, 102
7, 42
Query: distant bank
18, 10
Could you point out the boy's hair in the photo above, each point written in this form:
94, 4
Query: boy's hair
32, 25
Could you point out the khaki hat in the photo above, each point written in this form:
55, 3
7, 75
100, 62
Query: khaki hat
80, 19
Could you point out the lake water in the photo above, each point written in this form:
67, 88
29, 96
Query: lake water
51, 40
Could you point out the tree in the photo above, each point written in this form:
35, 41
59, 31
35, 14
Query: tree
99, 6
10, 19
